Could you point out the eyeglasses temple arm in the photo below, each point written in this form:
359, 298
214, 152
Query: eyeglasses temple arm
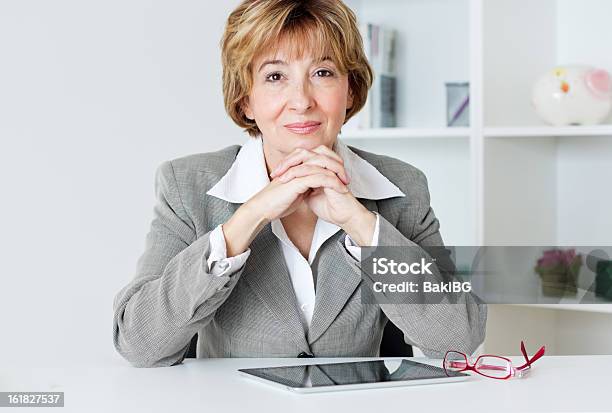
536, 356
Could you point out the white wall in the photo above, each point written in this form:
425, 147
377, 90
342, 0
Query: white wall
517, 43
563, 332
584, 170
584, 173
93, 96
577, 45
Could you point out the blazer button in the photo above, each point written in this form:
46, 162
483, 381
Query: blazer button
303, 354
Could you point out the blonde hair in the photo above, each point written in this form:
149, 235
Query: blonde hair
258, 25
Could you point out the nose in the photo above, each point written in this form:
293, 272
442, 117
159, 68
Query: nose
300, 96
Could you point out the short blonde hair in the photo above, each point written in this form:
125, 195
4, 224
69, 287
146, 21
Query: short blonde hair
258, 25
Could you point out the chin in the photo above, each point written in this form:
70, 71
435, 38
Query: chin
309, 142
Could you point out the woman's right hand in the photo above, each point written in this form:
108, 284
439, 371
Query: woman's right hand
279, 199
274, 201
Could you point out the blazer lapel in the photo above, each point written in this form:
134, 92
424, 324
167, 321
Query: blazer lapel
268, 277
336, 282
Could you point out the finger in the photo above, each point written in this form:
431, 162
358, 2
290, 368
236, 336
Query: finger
304, 170
301, 155
328, 163
296, 157
305, 183
319, 164
324, 150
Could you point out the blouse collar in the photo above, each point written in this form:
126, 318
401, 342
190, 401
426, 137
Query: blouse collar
248, 175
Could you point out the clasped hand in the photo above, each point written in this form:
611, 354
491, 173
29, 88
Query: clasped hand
316, 177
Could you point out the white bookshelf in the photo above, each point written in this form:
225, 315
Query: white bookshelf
521, 182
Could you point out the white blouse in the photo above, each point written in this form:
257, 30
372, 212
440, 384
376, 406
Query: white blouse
249, 166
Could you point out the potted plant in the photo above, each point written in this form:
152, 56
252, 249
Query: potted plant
559, 270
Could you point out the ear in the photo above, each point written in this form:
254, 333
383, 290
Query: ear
246, 108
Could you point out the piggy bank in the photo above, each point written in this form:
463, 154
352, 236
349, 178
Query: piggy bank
573, 95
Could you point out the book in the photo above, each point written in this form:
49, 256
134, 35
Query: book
380, 110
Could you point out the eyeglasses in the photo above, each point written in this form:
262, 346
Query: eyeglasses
495, 367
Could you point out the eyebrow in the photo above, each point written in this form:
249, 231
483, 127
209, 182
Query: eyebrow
272, 62
282, 62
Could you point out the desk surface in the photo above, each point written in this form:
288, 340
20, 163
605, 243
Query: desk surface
556, 383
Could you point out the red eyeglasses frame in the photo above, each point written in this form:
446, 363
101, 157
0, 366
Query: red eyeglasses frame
513, 371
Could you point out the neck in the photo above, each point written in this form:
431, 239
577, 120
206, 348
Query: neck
303, 214
272, 156
305, 211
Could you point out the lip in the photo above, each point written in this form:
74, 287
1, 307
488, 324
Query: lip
303, 127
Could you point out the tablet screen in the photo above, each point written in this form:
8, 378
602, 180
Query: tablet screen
376, 371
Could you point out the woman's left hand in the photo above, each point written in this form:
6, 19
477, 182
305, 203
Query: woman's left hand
328, 204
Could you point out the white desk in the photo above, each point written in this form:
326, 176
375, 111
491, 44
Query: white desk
556, 383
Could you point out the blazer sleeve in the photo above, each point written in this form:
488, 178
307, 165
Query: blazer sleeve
173, 293
434, 328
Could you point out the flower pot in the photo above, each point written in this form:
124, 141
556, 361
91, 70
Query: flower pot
559, 271
558, 283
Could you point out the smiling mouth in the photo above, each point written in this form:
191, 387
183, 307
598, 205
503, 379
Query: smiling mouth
304, 130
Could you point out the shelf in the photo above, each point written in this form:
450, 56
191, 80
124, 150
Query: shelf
547, 131
593, 308
400, 133
488, 132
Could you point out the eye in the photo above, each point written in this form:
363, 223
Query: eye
273, 77
329, 73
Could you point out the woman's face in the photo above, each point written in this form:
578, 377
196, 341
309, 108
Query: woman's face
288, 93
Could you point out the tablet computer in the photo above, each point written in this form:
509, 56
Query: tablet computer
352, 375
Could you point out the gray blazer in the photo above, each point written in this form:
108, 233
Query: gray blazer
252, 312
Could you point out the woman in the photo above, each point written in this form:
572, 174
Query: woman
256, 248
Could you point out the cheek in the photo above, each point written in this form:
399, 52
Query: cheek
267, 106
334, 105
